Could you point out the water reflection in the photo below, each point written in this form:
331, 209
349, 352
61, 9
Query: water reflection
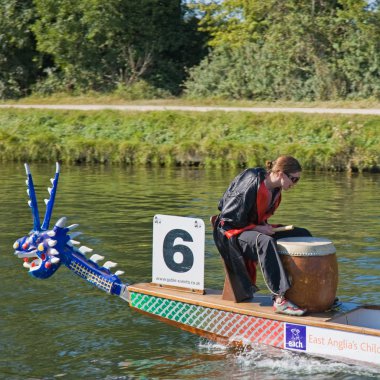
91, 335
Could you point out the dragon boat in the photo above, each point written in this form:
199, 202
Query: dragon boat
177, 294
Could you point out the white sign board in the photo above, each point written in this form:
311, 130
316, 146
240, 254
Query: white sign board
346, 344
322, 341
178, 251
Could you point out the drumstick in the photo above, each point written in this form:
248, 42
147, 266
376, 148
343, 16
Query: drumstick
283, 228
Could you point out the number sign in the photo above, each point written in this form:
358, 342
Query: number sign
178, 251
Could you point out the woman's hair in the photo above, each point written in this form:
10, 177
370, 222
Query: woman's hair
286, 164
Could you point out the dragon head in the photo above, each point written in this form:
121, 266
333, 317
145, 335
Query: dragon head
39, 245
44, 250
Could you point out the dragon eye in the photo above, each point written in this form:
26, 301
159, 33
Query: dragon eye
16, 245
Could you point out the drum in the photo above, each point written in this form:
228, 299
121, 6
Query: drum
312, 268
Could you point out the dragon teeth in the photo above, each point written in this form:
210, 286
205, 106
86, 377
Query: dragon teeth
35, 264
22, 255
119, 272
55, 260
53, 251
51, 233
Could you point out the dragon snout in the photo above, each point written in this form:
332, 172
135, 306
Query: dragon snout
42, 266
21, 244
24, 248
41, 261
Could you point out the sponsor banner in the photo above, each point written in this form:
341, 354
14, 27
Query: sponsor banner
315, 340
295, 337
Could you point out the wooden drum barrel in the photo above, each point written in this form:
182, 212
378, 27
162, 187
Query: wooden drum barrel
312, 268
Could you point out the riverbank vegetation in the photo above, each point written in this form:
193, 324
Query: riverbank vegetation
221, 139
304, 53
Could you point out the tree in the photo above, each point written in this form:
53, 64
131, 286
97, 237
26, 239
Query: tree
97, 44
18, 57
300, 49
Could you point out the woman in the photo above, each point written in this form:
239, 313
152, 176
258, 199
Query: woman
244, 237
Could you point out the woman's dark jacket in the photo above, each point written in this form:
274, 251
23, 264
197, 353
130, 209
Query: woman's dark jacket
238, 212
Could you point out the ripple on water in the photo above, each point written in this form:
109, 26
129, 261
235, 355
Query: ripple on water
86, 334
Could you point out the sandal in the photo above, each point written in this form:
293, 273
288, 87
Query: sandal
284, 306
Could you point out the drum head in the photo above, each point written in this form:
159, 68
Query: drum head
305, 246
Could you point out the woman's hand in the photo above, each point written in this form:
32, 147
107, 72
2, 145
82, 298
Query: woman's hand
265, 229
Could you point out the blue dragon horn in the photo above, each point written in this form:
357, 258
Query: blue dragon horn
50, 202
33, 201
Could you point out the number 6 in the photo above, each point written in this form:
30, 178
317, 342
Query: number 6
169, 250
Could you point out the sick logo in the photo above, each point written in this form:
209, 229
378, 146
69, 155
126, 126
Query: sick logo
295, 337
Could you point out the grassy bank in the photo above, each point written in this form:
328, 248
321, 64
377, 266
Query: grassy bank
321, 142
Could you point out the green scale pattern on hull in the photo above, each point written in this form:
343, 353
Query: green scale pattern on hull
235, 327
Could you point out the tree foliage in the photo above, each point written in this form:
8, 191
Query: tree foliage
98, 45
17, 54
272, 49
294, 49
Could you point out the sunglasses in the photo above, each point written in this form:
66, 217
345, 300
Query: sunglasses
292, 178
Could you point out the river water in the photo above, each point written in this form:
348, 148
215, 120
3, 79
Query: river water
65, 328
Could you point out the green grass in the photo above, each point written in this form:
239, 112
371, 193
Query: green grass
216, 139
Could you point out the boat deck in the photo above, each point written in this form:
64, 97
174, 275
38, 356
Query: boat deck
259, 306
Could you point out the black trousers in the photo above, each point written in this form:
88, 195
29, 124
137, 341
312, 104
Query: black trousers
263, 248
255, 246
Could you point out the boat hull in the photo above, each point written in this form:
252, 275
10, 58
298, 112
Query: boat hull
254, 322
